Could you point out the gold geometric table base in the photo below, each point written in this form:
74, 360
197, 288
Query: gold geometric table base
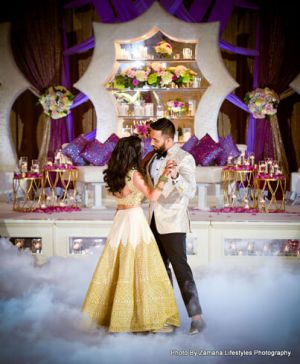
60, 187
27, 193
238, 187
267, 190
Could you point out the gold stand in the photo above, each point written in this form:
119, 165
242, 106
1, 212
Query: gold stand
63, 179
270, 186
235, 181
27, 193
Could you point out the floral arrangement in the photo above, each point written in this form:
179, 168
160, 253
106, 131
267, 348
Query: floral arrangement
163, 48
176, 106
141, 130
56, 101
153, 75
262, 102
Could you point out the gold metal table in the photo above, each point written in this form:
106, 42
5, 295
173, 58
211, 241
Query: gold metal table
60, 186
238, 186
270, 192
27, 191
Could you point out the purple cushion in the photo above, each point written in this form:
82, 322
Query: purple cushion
147, 147
113, 138
206, 151
73, 150
188, 145
229, 148
97, 153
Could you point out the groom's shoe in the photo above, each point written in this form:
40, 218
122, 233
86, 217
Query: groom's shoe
197, 326
166, 329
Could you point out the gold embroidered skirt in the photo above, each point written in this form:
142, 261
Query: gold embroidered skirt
130, 290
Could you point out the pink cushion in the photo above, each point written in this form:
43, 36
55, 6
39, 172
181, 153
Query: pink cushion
206, 151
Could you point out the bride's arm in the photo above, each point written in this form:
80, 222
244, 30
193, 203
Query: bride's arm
152, 194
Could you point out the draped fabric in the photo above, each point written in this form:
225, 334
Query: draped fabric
37, 47
279, 65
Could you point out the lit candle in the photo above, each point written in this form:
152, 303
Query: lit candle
251, 160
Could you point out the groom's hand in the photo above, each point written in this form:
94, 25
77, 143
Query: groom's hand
173, 169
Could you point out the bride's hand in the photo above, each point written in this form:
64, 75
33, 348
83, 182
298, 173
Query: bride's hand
169, 168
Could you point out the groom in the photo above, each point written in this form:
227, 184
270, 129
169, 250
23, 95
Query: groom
169, 218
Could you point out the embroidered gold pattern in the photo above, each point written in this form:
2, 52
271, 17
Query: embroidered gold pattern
130, 290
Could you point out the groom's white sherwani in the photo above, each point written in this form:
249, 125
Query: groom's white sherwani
171, 209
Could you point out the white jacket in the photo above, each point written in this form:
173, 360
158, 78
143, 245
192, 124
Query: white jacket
171, 209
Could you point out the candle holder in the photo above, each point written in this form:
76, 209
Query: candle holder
23, 164
35, 166
251, 158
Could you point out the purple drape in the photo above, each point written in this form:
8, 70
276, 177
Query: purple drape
251, 132
264, 146
237, 102
82, 47
222, 13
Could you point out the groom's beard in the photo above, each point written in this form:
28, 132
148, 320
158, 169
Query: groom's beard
161, 152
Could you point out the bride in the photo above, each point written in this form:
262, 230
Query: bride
130, 290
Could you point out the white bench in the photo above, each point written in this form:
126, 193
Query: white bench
204, 177
92, 175
295, 187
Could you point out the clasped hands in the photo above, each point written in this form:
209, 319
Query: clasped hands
171, 169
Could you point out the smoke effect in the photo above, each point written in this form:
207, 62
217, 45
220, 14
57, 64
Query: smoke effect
245, 310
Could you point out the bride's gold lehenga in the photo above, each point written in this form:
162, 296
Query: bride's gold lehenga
130, 290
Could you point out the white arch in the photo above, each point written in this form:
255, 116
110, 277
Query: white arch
12, 84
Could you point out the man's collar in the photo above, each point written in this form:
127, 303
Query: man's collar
172, 150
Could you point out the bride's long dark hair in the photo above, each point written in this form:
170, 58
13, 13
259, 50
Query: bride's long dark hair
126, 155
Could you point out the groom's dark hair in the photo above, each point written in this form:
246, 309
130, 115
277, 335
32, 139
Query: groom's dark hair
165, 125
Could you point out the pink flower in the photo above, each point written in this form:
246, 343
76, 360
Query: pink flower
135, 82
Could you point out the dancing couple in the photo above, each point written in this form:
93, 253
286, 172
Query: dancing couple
131, 288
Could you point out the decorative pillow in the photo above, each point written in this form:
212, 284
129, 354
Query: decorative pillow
73, 150
147, 147
109, 146
229, 148
113, 138
189, 144
206, 151
97, 153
